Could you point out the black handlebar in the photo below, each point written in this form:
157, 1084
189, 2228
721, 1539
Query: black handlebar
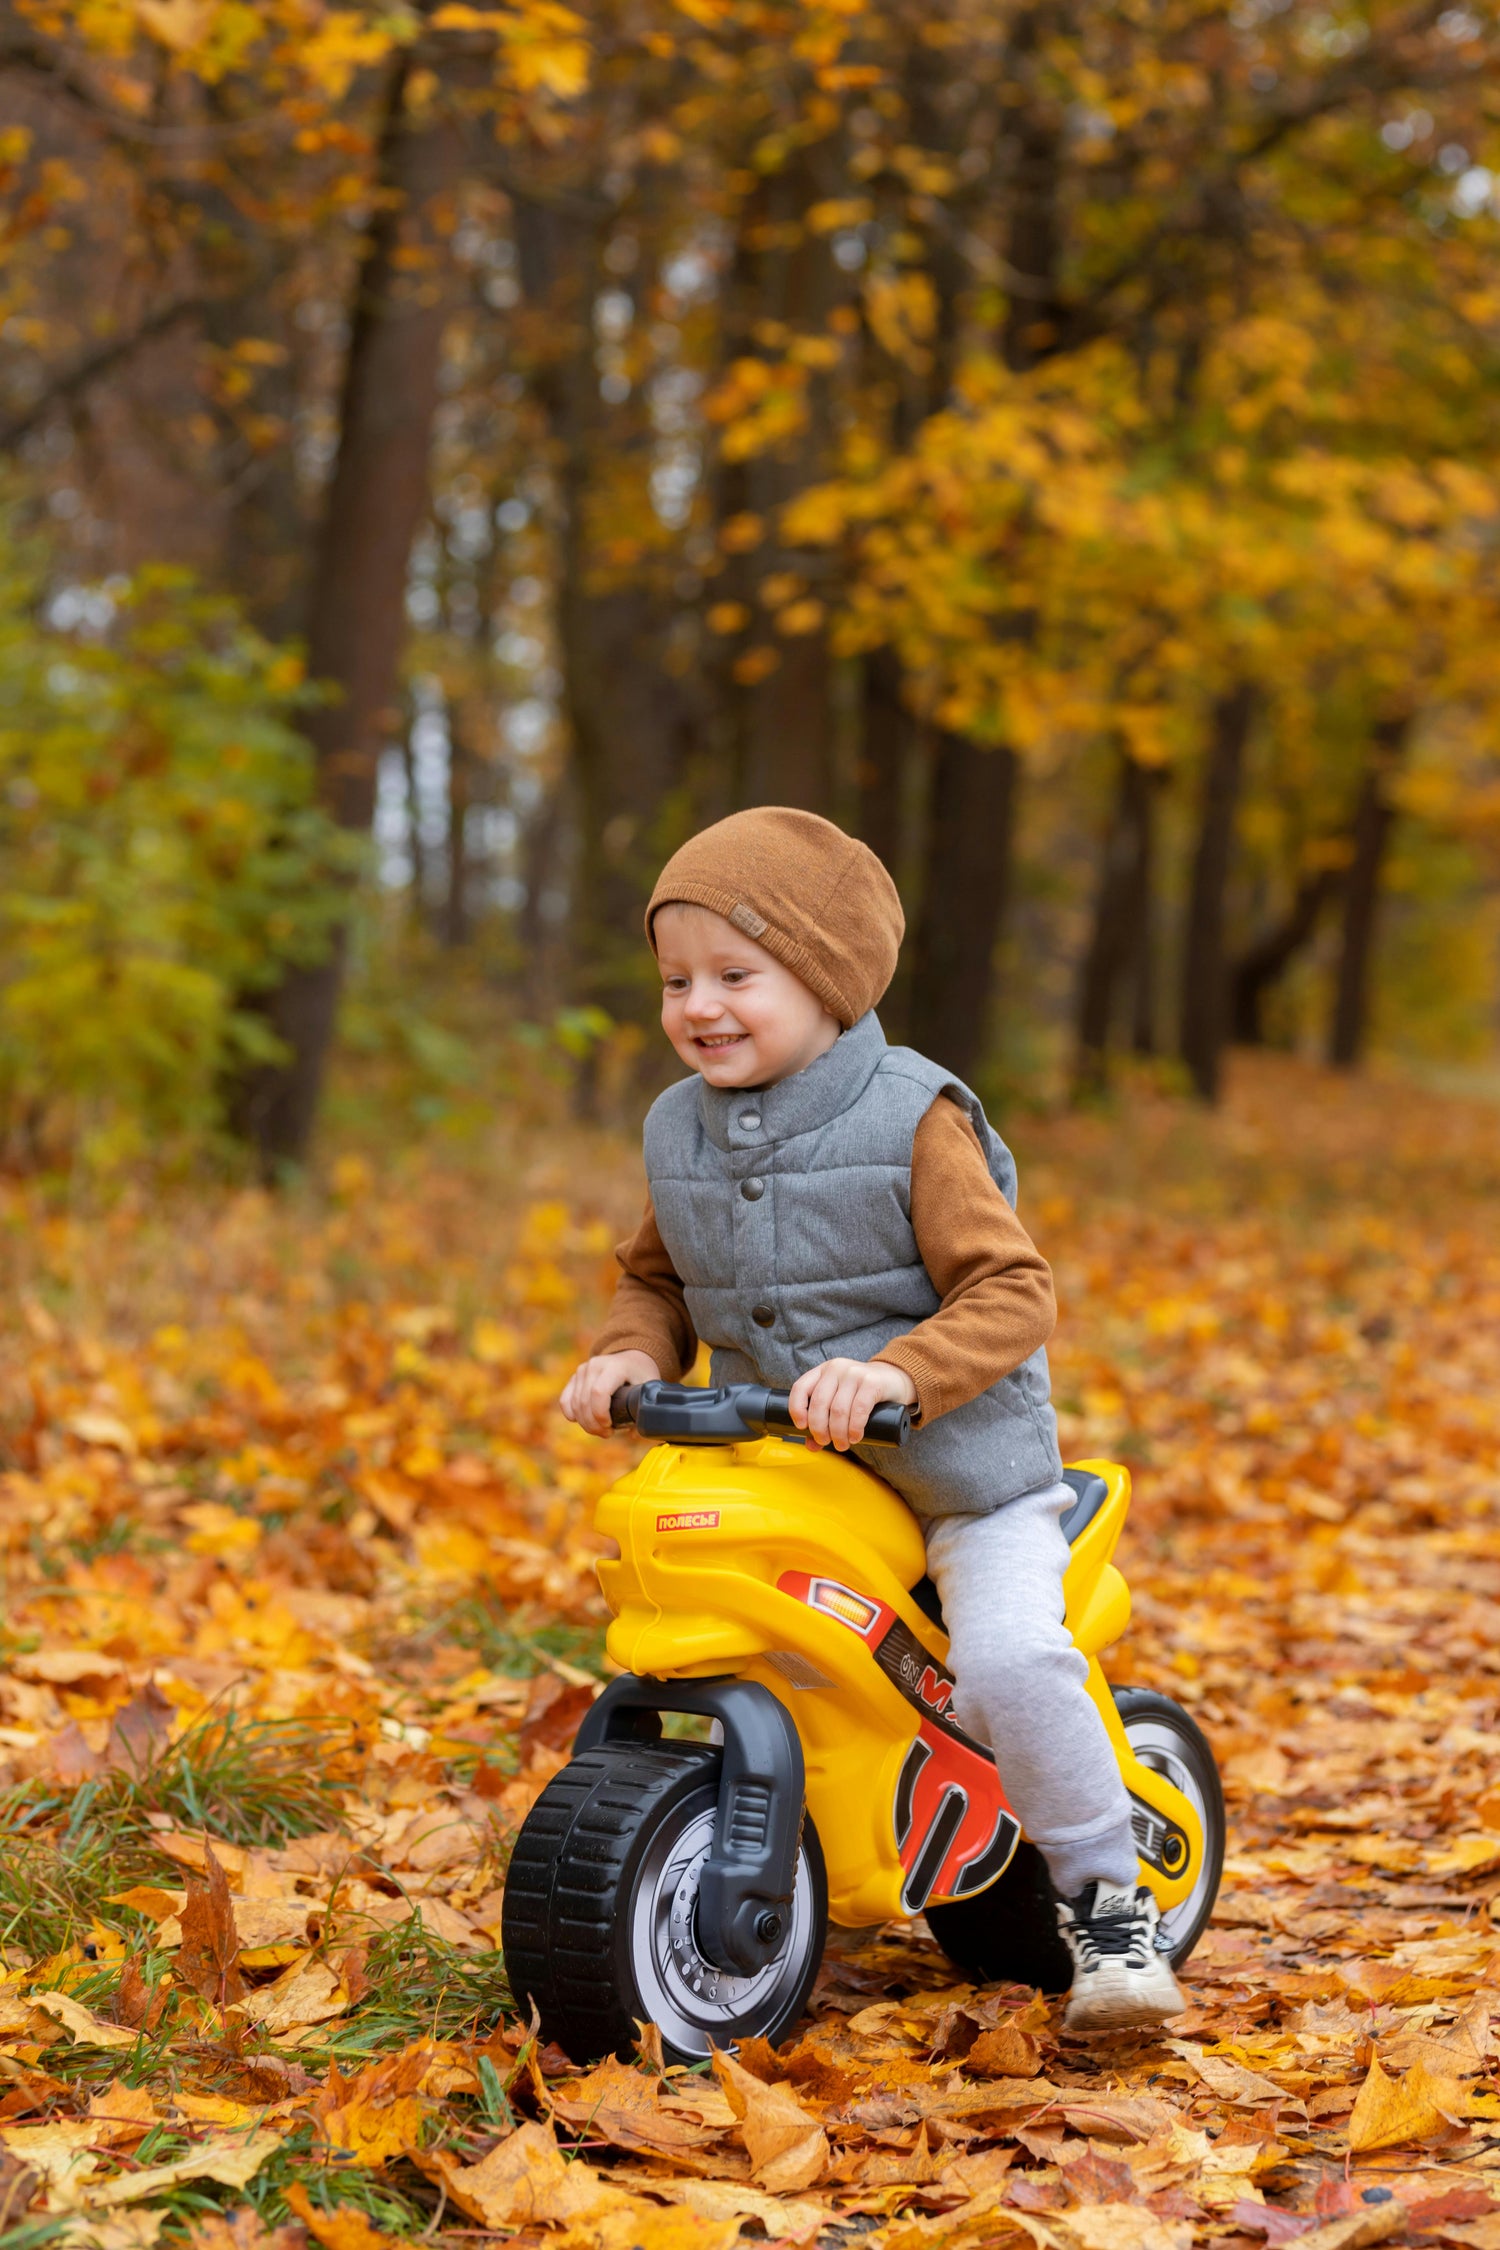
732, 1412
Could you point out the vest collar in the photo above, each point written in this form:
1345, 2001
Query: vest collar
799, 1104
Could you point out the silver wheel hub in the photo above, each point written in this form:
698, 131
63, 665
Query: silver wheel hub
697, 2004
1157, 1745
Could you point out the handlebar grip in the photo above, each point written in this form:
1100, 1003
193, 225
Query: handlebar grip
623, 1406
888, 1424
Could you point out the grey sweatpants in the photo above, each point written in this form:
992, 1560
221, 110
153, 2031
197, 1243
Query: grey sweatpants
1019, 1684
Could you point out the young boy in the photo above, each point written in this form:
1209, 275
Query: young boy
835, 1216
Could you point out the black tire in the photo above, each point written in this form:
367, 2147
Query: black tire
1008, 1934
597, 1926
1170, 1741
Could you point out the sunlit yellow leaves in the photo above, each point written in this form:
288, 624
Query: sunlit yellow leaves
342, 42
758, 405
836, 212
525, 2180
902, 311
542, 44
738, 534
1391, 2112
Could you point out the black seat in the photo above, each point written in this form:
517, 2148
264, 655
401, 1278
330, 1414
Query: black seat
1092, 1493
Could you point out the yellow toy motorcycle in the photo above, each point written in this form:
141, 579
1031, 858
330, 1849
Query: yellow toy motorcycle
779, 1592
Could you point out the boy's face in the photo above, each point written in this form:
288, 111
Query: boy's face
734, 1013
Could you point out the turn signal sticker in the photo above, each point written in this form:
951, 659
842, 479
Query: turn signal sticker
694, 1519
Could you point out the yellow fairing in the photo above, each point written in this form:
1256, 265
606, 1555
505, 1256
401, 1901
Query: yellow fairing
706, 1532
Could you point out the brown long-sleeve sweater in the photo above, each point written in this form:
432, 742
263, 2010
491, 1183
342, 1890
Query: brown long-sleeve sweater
995, 1285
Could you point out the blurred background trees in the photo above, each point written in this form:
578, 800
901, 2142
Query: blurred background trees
1061, 443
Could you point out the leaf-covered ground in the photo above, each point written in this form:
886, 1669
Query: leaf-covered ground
299, 1616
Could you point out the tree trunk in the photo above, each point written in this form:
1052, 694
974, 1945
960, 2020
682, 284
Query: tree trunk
1373, 820
356, 600
968, 874
889, 738
626, 707
1118, 952
1205, 981
1143, 1031
777, 688
460, 780
1262, 965
970, 831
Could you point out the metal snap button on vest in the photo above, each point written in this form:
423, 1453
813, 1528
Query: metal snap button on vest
750, 1121
763, 1316
752, 1190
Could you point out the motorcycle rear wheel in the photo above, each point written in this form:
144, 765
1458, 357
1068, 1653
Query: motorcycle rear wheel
599, 1921
1008, 1933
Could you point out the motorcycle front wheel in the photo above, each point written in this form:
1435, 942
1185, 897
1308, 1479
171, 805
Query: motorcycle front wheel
599, 1925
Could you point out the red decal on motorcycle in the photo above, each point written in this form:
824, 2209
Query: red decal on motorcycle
935, 1690
955, 1832
691, 1519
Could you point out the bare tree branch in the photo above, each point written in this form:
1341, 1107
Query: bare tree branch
88, 370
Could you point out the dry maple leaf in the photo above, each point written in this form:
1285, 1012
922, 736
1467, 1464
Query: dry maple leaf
1005, 2052
138, 1728
244, 2228
345, 2227
1390, 2112
208, 1960
525, 2181
19, 2186
620, 2104
787, 2148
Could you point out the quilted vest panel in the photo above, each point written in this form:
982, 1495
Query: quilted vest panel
787, 1213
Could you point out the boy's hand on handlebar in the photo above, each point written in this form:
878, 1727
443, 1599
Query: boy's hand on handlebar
833, 1402
589, 1389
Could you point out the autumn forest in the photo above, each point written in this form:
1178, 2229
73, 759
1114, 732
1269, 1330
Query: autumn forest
449, 454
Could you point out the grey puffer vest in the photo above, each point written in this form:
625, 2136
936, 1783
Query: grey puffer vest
786, 1212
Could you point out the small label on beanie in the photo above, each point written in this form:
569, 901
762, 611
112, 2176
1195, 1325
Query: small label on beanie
744, 919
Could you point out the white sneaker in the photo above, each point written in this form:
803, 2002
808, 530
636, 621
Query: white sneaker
1119, 1978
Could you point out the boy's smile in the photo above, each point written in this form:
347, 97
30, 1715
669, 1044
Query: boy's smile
734, 1013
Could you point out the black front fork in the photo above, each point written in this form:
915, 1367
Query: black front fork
745, 1889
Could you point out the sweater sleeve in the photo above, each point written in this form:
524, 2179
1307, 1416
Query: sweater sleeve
995, 1285
649, 1310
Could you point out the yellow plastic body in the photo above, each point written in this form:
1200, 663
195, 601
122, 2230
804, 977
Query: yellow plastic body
705, 1534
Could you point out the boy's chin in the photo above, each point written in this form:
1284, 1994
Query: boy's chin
737, 1069
730, 1066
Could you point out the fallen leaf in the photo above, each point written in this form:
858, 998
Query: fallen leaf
345, 2227
306, 1993
1004, 2053
1123, 2226
81, 2022
554, 1713
623, 2105
19, 2186
787, 2148
1391, 2112
233, 2162
138, 1729
1375, 2222
785, 2218
208, 1961
525, 2181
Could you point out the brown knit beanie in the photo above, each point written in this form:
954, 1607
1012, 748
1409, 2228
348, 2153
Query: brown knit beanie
818, 899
